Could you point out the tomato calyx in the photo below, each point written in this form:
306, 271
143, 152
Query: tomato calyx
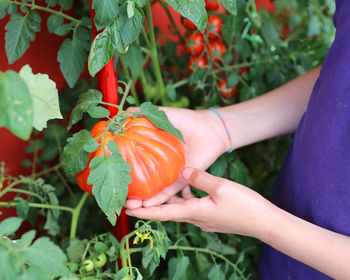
117, 129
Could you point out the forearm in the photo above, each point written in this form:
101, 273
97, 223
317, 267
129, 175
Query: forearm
319, 248
275, 113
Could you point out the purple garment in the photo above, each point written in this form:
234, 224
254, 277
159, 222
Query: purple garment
314, 183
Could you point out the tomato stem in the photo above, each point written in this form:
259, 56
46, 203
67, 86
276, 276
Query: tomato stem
128, 76
75, 215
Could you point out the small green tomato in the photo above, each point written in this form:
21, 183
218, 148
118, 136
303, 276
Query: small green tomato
100, 260
88, 265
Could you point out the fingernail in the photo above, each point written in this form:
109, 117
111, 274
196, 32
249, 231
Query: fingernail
187, 173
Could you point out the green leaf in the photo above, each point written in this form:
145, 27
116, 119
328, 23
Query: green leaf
10, 225
193, 10
65, 4
8, 265
130, 28
51, 3
103, 48
88, 102
106, 12
177, 267
233, 79
55, 25
159, 119
219, 167
4, 4
110, 178
131, 8
141, 3
72, 57
44, 97
76, 249
314, 27
15, 105
268, 31
20, 30
76, 153
216, 273
230, 6
48, 257
132, 60
22, 208
171, 92
122, 274
27, 238
131, 100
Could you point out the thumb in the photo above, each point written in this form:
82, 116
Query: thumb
202, 180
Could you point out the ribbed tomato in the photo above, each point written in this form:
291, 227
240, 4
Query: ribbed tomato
211, 5
214, 27
197, 62
189, 25
216, 50
156, 157
194, 43
224, 91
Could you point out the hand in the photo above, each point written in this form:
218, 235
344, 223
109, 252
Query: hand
205, 140
228, 208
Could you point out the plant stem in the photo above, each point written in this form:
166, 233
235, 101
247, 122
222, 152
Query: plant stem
52, 11
26, 192
38, 205
75, 215
48, 170
9, 187
126, 92
128, 76
64, 181
154, 55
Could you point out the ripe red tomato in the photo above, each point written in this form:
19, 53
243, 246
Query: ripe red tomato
211, 5
189, 25
156, 157
214, 27
216, 50
194, 43
197, 62
224, 91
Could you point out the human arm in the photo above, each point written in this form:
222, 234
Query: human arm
269, 115
233, 208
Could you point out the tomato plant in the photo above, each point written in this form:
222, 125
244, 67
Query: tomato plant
228, 64
156, 157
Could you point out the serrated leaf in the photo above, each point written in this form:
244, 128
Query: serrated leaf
131, 100
48, 257
230, 6
106, 12
159, 119
20, 30
141, 3
88, 102
65, 4
233, 79
131, 8
8, 265
27, 238
44, 96
177, 267
51, 3
130, 28
76, 249
103, 48
15, 105
219, 167
132, 60
216, 273
55, 25
110, 178
122, 274
76, 153
72, 56
10, 225
22, 208
4, 4
193, 10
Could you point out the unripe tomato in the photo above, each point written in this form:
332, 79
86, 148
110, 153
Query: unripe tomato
188, 24
194, 43
156, 157
197, 62
216, 50
100, 260
224, 91
211, 5
88, 265
214, 27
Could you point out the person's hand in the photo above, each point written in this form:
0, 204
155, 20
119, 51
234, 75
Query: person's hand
205, 140
228, 208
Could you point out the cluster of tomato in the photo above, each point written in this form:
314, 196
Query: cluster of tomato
209, 45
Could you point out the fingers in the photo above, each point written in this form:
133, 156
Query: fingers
202, 180
164, 195
133, 109
186, 193
168, 212
133, 203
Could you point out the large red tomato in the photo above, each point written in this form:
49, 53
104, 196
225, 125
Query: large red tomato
156, 157
194, 43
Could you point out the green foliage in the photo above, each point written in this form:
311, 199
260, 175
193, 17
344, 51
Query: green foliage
20, 30
110, 178
106, 12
